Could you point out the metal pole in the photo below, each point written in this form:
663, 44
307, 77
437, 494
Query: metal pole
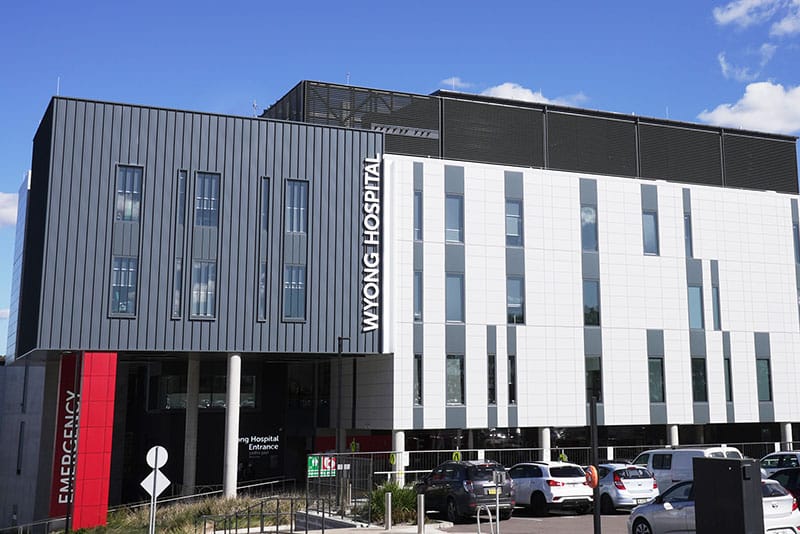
420, 514
593, 424
339, 350
387, 505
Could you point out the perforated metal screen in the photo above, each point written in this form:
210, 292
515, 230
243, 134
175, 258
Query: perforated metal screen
755, 163
589, 144
680, 154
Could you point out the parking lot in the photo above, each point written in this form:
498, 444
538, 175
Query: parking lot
523, 523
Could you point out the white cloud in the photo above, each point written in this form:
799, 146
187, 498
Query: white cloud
790, 23
8, 209
745, 13
455, 83
4, 313
766, 51
514, 91
765, 106
740, 74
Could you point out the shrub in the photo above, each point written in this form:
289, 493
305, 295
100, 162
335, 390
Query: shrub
404, 503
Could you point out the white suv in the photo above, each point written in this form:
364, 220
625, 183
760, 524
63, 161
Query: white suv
545, 486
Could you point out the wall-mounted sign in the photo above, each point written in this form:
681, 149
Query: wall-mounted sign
321, 466
371, 229
261, 445
66, 442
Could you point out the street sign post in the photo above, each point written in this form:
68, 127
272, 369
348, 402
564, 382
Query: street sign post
155, 483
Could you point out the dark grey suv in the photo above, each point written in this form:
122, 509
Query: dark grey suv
459, 489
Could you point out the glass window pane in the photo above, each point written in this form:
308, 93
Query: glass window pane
418, 295
594, 378
454, 219
589, 228
123, 285
591, 303
262, 291
650, 231
418, 379
514, 223
764, 380
699, 387
512, 379
696, 307
177, 288
728, 385
796, 236
418, 215
129, 193
715, 302
206, 203
515, 295
455, 379
294, 292
656, 368
454, 297
296, 202
204, 278
687, 235
491, 378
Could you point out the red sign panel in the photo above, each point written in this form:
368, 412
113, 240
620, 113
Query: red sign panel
64, 452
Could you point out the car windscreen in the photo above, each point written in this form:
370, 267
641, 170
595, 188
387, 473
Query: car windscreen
481, 472
633, 472
773, 490
733, 454
567, 472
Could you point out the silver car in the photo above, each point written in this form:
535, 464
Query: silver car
624, 486
673, 511
776, 461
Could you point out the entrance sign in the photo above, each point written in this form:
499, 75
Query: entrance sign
66, 444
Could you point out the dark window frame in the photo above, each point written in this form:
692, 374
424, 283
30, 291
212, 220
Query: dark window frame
302, 290
210, 293
129, 198
114, 309
207, 203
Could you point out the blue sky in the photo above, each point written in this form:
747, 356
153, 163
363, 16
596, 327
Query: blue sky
733, 64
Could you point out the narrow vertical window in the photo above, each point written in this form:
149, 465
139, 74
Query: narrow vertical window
650, 232
455, 379
123, 285
129, 193
417, 215
262, 291
491, 378
454, 297
763, 380
715, 303
180, 208
796, 239
294, 292
264, 205
512, 379
263, 244
515, 300
514, 224
296, 206
20, 446
656, 370
418, 379
594, 378
204, 292
728, 384
177, 287
591, 303
699, 380
177, 265
696, 308
687, 235
418, 296
206, 199
454, 219
589, 228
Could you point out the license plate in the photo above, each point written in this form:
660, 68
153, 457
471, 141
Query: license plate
491, 491
642, 501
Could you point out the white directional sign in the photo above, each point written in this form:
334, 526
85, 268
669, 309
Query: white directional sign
157, 457
155, 483
160, 484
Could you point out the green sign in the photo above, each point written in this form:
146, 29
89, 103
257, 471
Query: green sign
321, 466
457, 456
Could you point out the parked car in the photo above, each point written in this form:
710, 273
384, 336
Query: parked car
779, 460
670, 466
546, 486
458, 489
789, 479
624, 486
673, 511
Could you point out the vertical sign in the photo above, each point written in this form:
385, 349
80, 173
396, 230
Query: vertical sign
66, 438
371, 229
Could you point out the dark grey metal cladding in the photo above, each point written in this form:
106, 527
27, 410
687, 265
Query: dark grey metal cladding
74, 207
590, 144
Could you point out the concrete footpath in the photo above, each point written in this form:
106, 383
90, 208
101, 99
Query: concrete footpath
431, 528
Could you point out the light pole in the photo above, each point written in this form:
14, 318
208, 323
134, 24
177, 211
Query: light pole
339, 440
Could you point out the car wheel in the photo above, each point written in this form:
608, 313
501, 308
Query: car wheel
538, 504
640, 526
452, 511
506, 514
606, 505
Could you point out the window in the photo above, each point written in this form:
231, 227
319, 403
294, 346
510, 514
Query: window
796, 239
591, 303
662, 461
696, 307
455, 379
262, 291
129, 193
454, 219
512, 379
418, 379
296, 205
168, 392
417, 215
699, 381
418, 296
454, 297
204, 283
656, 368
515, 299
687, 234
514, 223
180, 208
123, 285
177, 288
650, 232
294, 292
715, 303
491, 378
728, 385
763, 380
20, 446
264, 208
589, 228
206, 199
594, 378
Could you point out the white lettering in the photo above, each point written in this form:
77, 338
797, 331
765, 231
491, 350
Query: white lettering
371, 228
